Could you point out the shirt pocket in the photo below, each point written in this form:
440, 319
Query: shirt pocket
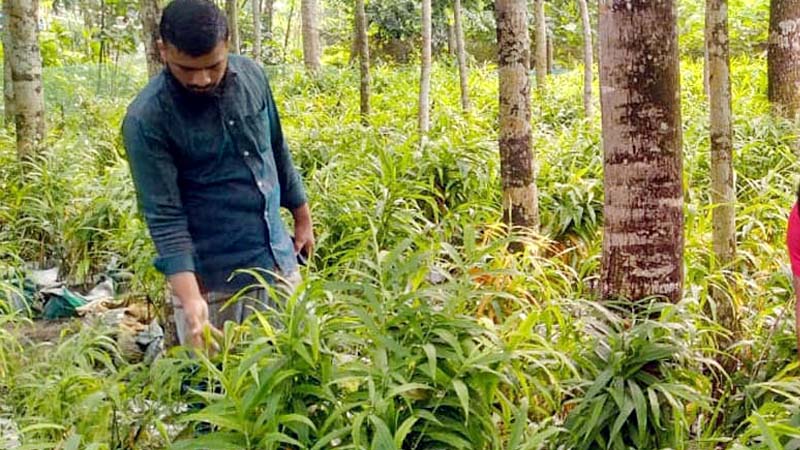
257, 132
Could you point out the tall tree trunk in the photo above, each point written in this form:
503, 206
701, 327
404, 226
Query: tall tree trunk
723, 195
363, 58
549, 54
288, 29
461, 54
451, 39
26, 72
783, 57
8, 81
232, 11
540, 56
520, 204
150, 14
425, 75
311, 44
256, 9
643, 211
269, 10
588, 57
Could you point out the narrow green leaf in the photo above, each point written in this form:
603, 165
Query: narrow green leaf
463, 396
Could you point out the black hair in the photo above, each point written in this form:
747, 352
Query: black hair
194, 27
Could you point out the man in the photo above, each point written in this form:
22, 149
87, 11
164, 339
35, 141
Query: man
211, 170
793, 245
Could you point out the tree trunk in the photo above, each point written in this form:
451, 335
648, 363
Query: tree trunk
425, 76
588, 57
783, 57
640, 99
150, 14
232, 11
26, 72
363, 58
540, 56
269, 10
8, 81
288, 29
520, 204
451, 39
723, 195
311, 44
461, 54
549, 55
256, 5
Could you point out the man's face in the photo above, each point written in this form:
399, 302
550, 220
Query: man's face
198, 74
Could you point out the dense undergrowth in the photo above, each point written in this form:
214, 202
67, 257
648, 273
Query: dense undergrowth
415, 328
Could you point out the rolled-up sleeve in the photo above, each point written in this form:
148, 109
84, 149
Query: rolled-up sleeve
293, 194
156, 180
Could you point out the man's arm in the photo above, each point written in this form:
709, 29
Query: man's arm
155, 178
293, 195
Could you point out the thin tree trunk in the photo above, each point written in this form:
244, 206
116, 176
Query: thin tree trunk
461, 54
549, 55
783, 57
288, 29
150, 14
520, 204
311, 44
256, 5
269, 10
353, 47
451, 39
232, 11
425, 75
588, 57
640, 99
26, 72
723, 195
8, 81
540, 56
363, 58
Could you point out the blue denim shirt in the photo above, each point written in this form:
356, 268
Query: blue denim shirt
211, 174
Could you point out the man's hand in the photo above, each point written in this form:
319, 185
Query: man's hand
195, 310
197, 325
303, 231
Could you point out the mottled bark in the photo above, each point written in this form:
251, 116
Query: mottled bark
640, 99
26, 73
520, 205
461, 55
723, 194
783, 59
363, 58
232, 11
425, 72
257, 39
540, 54
8, 81
311, 44
150, 15
588, 59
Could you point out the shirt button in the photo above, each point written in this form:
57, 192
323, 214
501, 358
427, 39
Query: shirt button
230, 122
246, 153
260, 184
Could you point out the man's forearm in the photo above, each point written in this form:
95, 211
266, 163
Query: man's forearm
302, 214
184, 286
